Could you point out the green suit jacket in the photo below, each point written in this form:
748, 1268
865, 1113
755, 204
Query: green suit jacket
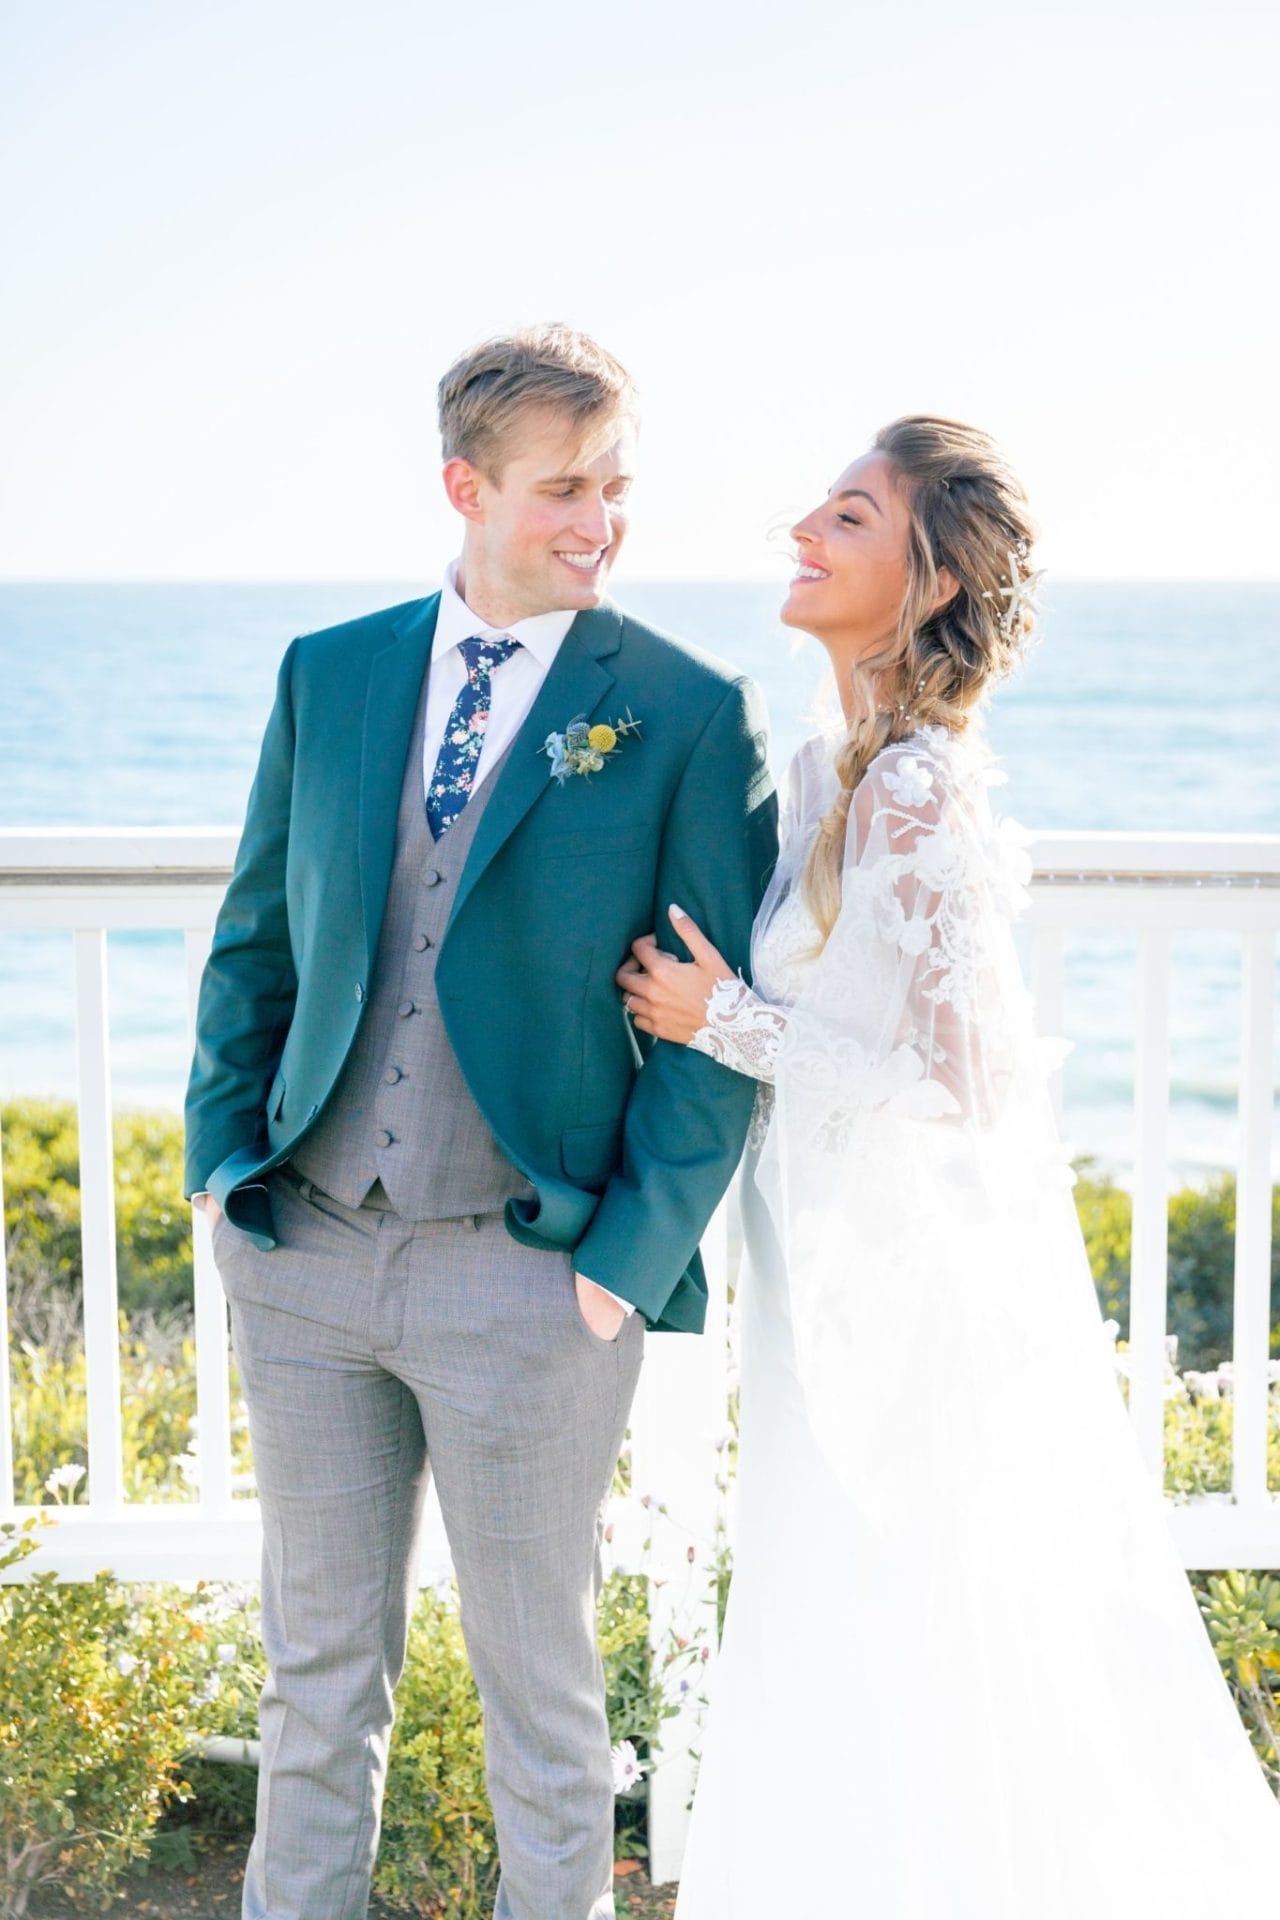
628, 1146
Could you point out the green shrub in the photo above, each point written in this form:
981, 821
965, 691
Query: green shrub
438, 1853
153, 1238
1202, 1225
158, 1407
1242, 1613
95, 1716
1105, 1212
39, 1145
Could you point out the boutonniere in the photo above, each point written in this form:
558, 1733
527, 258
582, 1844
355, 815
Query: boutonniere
583, 749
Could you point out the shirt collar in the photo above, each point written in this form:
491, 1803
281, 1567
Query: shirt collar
541, 633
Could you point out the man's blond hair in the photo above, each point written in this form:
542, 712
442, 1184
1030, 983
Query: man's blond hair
491, 390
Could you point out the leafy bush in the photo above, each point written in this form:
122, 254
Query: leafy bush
153, 1237
439, 1852
95, 1716
39, 1144
158, 1415
1202, 1225
1242, 1613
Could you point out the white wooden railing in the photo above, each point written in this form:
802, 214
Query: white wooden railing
1157, 885
91, 882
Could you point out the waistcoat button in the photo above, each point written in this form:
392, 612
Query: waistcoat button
359, 990
432, 878
391, 1075
382, 1138
420, 943
405, 1008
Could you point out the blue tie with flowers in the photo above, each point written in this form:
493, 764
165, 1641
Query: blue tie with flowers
450, 786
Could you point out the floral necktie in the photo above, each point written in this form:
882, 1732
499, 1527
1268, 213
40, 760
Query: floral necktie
455, 770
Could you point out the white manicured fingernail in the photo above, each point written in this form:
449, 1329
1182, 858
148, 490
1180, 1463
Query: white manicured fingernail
679, 912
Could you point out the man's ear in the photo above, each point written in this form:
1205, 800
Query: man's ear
462, 484
948, 588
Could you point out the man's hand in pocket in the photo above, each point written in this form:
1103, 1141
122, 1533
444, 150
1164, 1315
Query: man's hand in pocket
208, 1206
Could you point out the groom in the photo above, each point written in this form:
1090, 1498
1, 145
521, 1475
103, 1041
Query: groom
448, 1189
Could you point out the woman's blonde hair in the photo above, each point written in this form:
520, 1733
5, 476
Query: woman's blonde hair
968, 513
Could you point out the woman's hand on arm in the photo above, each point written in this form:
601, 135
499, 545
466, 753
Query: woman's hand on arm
668, 997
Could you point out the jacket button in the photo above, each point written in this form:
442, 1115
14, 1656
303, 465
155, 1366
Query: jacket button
420, 943
382, 1138
391, 1075
405, 1008
359, 990
432, 877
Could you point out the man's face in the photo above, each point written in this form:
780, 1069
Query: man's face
543, 536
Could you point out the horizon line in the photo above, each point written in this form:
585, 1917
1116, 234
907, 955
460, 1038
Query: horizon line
639, 580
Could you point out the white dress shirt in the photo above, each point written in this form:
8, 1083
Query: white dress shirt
515, 681
514, 686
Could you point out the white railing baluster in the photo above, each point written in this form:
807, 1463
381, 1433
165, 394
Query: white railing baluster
681, 1410
1252, 1304
213, 1379
1148, 1277
6, 1403
1047, 984
98, 1222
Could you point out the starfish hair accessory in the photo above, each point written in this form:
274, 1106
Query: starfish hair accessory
1019, 596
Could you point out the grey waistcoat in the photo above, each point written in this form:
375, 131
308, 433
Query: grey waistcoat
401, 1111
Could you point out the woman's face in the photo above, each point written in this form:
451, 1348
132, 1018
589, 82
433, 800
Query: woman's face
851, 577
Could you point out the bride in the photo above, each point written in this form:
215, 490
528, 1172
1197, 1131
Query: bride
963, 1674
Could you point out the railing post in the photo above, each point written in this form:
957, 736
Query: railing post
1047, 982
1149, 1271
6, 1403
98, 1222
213, 1378
681, 1411
1251, 1314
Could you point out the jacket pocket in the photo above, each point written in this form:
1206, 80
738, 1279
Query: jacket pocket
591, 1154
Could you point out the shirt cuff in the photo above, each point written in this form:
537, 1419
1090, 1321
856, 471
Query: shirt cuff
628, 1306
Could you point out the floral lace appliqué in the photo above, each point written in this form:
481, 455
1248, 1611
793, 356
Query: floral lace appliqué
741, 1031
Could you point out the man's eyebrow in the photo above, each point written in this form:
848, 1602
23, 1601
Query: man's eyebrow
576, 479
861, 493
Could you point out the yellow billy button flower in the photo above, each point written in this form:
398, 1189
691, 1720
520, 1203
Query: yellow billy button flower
602, 739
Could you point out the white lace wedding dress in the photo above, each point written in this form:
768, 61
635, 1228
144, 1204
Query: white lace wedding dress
963, 1674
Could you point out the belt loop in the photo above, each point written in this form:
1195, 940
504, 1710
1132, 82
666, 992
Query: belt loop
476, 1218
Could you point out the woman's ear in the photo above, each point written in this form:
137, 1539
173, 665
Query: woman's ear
948, 588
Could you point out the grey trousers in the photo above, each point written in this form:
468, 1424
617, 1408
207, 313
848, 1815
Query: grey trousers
373, 1352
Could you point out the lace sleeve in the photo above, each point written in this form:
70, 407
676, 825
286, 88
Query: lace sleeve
909, 1003
742, 1031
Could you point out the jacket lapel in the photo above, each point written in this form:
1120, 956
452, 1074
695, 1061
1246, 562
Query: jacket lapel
391, 701
575, 686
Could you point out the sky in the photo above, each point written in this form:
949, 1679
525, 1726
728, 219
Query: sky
240, 243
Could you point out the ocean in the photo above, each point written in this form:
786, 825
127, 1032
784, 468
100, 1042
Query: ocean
1144, 707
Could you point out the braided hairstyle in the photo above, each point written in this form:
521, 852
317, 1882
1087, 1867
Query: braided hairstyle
969, 513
